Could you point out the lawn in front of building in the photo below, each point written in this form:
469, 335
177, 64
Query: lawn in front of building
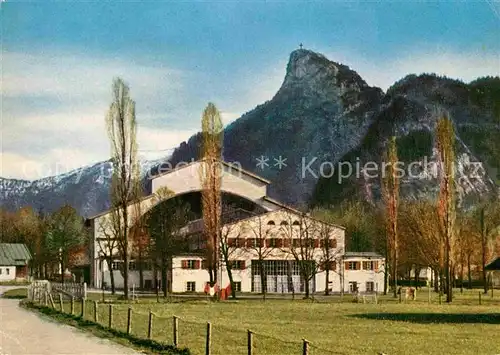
331, 327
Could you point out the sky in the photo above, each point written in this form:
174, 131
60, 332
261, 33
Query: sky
59, 59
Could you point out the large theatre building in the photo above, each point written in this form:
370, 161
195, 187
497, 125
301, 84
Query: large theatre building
266, 243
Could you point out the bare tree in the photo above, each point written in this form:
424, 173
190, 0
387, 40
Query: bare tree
108, 244
301, 242
164, 222
257, 242
66, 231
486, 224
390, 189
210, 176
231, 244
330, 253
445, 137
121, 126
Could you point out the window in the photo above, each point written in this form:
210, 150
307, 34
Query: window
252, 243
7, 271
329, 265
284, 223
237, 286
352, 265
116, 265
1, 271
190, 286
369, 265
271, 223
332, 243
370, 286
191, 264
204, 265
132, 265
295, 242
296, 223
238, 243
238, 264
353, 286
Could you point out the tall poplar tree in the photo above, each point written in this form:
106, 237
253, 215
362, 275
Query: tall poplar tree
122, 127
390, 188
445, 139
210, 176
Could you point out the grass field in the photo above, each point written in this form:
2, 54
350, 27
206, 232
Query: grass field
331, 326
18, 293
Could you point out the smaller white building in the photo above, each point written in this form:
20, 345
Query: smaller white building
364, 272
14, 259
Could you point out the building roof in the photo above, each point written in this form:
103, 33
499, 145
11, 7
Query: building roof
362, 254
14, 254
229, 165
494, 265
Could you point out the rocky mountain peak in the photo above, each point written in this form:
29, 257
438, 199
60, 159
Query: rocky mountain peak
312, 75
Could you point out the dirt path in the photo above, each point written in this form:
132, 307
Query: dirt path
25, 333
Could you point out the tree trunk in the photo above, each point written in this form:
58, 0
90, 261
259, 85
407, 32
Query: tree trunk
306, 286
395, 274
447, 273
483, 260
461, 277
436, 281
111, 276
141, 275
386, 275
263, 283
164, 270
291, 286
231, 281
62, 271
327, 280
469, 274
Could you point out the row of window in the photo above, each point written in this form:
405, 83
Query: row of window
283, 223
7, 271
197, 264
191, 286
194, 264
356, 265
353, 286
369, 286
132, 265
280, 243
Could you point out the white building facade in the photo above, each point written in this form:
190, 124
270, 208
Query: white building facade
282, 249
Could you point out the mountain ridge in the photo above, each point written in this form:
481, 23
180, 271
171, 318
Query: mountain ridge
323, 112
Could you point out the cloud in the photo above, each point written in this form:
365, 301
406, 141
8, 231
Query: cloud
55, 102
465, 66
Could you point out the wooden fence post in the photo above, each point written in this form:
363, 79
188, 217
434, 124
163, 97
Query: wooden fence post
305, 347
440, 296
129, 321
96, 313
61, 303
72, 305
249, 342
83, 309
150, 325
479, 297
209, 339
176, 331
45, 299
110, 319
